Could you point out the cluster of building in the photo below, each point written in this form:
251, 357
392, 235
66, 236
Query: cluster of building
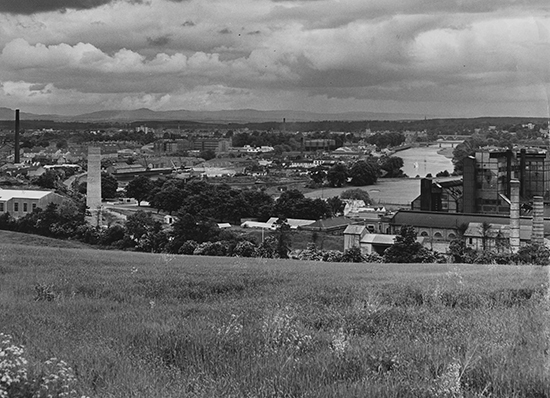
499, 203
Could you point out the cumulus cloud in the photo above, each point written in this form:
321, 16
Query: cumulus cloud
339, 54
159, 41
36, 6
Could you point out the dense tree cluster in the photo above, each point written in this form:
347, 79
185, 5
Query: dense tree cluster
356, 194
386, 139
221, 203
281, 141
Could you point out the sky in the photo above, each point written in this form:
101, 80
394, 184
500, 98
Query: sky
443, 58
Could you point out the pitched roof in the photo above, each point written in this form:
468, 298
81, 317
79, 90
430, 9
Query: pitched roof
328, 223
378, 239
427, 219
354, 230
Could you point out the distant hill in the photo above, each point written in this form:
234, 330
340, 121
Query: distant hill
225, 116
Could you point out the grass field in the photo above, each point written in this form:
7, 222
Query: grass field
142, 325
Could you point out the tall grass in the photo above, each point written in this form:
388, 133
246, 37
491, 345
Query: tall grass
139, 325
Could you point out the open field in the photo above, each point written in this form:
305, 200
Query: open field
399, 192
142, 325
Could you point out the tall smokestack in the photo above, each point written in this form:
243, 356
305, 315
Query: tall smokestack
514, 216
16, 147
537, 233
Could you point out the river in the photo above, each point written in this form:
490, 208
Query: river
424, 160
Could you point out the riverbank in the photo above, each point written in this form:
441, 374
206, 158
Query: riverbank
447, 152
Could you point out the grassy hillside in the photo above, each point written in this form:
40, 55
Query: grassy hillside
141, 325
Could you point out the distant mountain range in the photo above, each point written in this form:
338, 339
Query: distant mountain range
226, 116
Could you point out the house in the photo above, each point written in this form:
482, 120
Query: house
358, 236
19, 203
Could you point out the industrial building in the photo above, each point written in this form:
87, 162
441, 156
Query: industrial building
485, 184
19, 203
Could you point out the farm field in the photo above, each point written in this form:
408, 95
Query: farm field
144, 325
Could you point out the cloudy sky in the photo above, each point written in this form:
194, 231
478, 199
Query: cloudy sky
427, 57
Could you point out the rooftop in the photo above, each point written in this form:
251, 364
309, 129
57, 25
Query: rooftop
8, 194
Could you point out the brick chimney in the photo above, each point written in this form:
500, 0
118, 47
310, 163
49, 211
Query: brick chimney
537, 233
514, 216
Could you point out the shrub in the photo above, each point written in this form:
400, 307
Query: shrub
532, 254
333, 256
311, 253
211, 249
245, 249
268, 248
188, 247
112, 234
353, 255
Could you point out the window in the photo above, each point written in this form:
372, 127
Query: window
2, 207
16, 206
33, 206
25, 207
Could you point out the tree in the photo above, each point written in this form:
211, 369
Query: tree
109, 185
364, 173
48, 179
318, 174
392, 166
186, 227
336, 205
140, 223
139, 188
282, 234
337, 175
356, 194
293, 204
485, 232
207, 154
405, 249
169, 197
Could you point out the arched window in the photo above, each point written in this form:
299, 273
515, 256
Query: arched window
452, 236
438, 235
423, 233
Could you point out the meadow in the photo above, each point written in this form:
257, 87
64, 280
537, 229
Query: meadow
144, 325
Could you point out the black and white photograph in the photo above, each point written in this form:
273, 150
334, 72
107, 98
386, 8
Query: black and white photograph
274, 199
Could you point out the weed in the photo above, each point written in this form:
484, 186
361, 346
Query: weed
44, 292
55, 378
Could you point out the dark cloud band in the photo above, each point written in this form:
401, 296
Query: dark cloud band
28, 7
